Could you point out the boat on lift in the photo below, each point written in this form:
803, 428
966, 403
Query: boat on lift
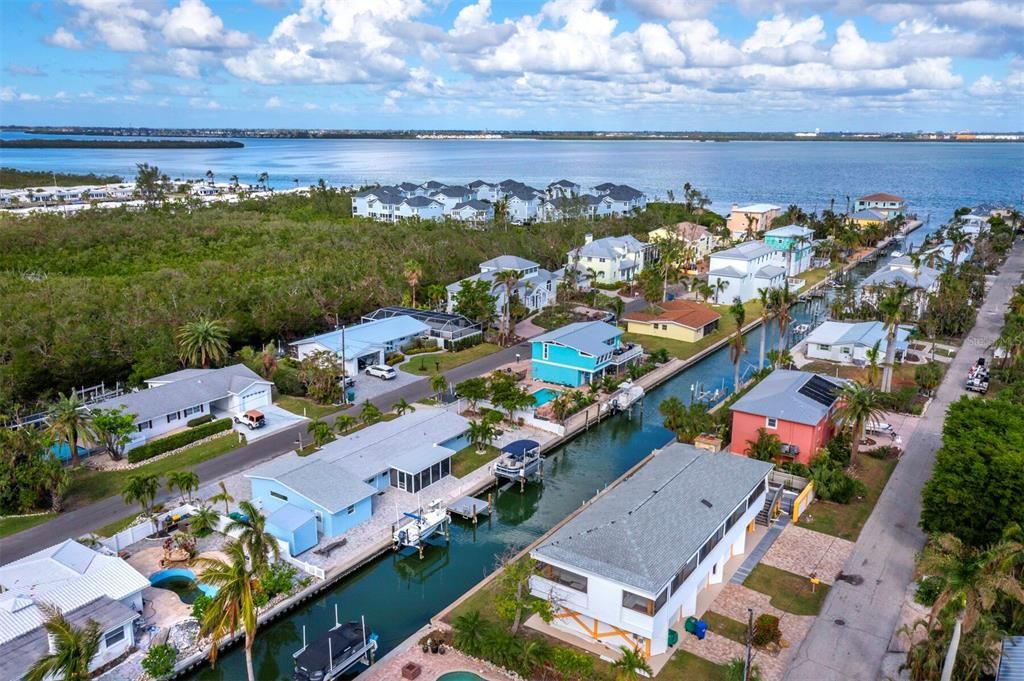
343, 647
412, 529
519, 461
801, 329
627, 395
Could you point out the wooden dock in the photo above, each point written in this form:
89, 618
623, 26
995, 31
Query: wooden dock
470, 507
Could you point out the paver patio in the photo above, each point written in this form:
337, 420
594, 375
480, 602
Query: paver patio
802, 551
432, 666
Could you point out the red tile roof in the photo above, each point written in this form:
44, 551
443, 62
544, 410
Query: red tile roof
683, 312
881, 196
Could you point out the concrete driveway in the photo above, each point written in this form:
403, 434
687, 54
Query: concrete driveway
371, 387
277, 419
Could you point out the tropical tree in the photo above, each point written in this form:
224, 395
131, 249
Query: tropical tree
631, 665
254, 537
872, 354
70, 420
73, 648
232, 607
113, 427
141, 488
202, 342
481, 434
344, 422
859, 405
766, 447
764, 295
735, 669
513, 599
322, 373
718, 288
473, 389
202, 521
686, 421
224, 496
470, 632
321, 432
617, 306
436, 295
780, 359
370, 413
893, 311
402, 406
780, 301
509, 280
186, 482
533, 654
413, 272
737, 342
669, 253
439, 384
263, 179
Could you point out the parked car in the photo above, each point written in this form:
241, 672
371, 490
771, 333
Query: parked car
252, 419
382, 371
347, 382
876, 428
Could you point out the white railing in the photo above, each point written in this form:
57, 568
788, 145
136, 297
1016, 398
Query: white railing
631, 353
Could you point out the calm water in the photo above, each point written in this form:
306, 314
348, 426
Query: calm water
399, 594
934, 177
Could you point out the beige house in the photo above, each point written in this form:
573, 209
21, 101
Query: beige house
756, 217
681, 320
697, 237
611, 259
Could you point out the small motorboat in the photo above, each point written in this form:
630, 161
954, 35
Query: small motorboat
338, 651
412, 529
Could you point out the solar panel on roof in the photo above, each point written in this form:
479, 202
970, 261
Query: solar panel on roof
819, 390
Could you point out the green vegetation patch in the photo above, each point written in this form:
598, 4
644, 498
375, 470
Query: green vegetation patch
467, 459
425, 365
789, 592
16, 524
297, 405
11, 178
726, 626
846, 520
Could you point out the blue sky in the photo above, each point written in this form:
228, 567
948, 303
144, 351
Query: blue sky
515, 64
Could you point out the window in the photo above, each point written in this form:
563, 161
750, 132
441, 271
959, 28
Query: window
350, 510
278, 495
711, 543
112, 638
564, 577
193, 410
771, 422
756, 493
683, 573
173, 416
736, 515
664, 327
640, 604
145, 425
823, 347
544, 351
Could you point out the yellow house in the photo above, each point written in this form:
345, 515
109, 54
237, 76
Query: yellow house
867, 217
697, 237
681, 320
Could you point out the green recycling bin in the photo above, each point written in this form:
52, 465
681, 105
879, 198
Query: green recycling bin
690, 625
673, 637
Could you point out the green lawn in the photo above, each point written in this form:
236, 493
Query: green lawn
680, 349
9, 526
466, 460
89, 485
304, 406
726, 626
686, 666
110, 529
788, 592
846, 520
812, 277
425, 365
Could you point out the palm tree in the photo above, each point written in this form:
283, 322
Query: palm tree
470, 632
321, 432
780, 302
481, 434
630, 665
141, 488
232, 607
860, 405
718, 288
209, 177
370, 413
686, 421
69, 420
767, 446
533, 654
617, 306
412, 272
263, 179
185, 482
253, 535
439, 384
74, 648
764, 295
738, 342
203, 341
344, 422
234, 181
872, 356
780, 360
224, 496
402, 406
893, 310
670, 252
509, 279
202, 521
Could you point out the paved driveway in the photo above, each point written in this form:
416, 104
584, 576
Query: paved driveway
370, 387
277, 419
851, 635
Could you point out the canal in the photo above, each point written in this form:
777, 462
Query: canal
399, 594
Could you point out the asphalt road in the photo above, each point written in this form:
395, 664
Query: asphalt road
80, 521
850, 638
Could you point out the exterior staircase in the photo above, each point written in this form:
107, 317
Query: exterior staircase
775, 492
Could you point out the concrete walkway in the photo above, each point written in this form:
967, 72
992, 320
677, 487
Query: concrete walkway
850, 637
755, 556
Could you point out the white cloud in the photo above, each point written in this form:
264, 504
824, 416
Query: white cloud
7, 94
122, 36
62, 37
141, 85
853, 52
193, 24
674, 10
200, 103
781, 31
273, 103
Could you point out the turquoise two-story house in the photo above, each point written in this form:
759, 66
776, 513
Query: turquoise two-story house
580, 353
793, 245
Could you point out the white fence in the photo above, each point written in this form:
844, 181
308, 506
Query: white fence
129, 536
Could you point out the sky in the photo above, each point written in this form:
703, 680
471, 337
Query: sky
746, 65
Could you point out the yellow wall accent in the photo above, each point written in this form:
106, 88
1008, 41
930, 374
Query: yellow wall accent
802, 501
674, 331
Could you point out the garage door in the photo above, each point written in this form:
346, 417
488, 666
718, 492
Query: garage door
254, 399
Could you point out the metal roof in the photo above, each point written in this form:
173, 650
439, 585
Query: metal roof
770, 272
366, 335
643, 530
324, 484
901, 271
747, 251
790, 231
778, 396
610, 247
1011, 661
860, 333
868, 214
509, 262
415, 460
588, 337
757, 208
290, 517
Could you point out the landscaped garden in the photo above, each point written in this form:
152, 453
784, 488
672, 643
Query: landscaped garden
440, 362
789, 592
846, 520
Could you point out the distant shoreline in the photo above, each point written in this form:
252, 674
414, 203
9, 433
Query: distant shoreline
119, 144
497, 135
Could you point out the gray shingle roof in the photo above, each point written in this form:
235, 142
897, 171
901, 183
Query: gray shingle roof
642, 531
453, 192
748, 250
420, 202
901, 270
509, 262
474, 204
623, 192
770, 272
588, 337
606, 247
322, 483
778, 396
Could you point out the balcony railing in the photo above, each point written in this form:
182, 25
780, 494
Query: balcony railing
626, 353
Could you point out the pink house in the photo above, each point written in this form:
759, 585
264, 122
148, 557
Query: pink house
797, 406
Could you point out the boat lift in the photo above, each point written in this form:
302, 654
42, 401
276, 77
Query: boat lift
343, 647
412, 529
519, 461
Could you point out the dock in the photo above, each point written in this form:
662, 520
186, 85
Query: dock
469, 507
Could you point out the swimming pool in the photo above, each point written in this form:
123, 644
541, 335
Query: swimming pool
544, 395
460, 676
63, 451
181, 581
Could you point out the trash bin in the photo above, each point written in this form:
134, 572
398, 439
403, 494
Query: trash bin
690, 625
673, 637
351, 394
700, 629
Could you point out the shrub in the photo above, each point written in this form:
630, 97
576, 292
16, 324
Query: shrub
394, 359
260, 599
766, 630
796, 468
883, 452
178, 440
571, 665
159, 661
902, 400
831, 483
838, 448
199, 606
278, 579
928, 590
660, 356
467, 342
205, 418
287, 381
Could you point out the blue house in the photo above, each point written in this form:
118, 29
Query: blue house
293, 490
795, 244
580, 353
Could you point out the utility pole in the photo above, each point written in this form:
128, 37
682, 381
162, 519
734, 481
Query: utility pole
750, 635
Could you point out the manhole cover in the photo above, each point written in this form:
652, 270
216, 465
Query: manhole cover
840, 622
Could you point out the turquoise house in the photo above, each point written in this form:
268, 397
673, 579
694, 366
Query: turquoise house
580, 353
794, 245
295, 526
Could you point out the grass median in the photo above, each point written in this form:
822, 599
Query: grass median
440, 362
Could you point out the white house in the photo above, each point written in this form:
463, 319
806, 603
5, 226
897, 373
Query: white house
888, 205
85, 585
793, 246
523, 204
849, 343
621, 199
419, 207
613, 258
536, 289
563, 188
452, 196
484, 191
170, 401
922, 282
366, 343
472, 211
378, 203
631, 564
744, 269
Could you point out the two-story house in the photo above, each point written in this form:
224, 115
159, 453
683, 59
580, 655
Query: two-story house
921, 280
484, 191
612, 259
563, 188
888, 205
622, 199
378, 203
631, 565
738, 272
452, 196
699, 243
580, 353
472, 211
418, 208
523, 204
794, 244
745, 221
796, 406
535, 289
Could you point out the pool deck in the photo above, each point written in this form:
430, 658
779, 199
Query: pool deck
432, 666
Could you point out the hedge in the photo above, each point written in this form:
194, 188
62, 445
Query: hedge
178, 440
205, 418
